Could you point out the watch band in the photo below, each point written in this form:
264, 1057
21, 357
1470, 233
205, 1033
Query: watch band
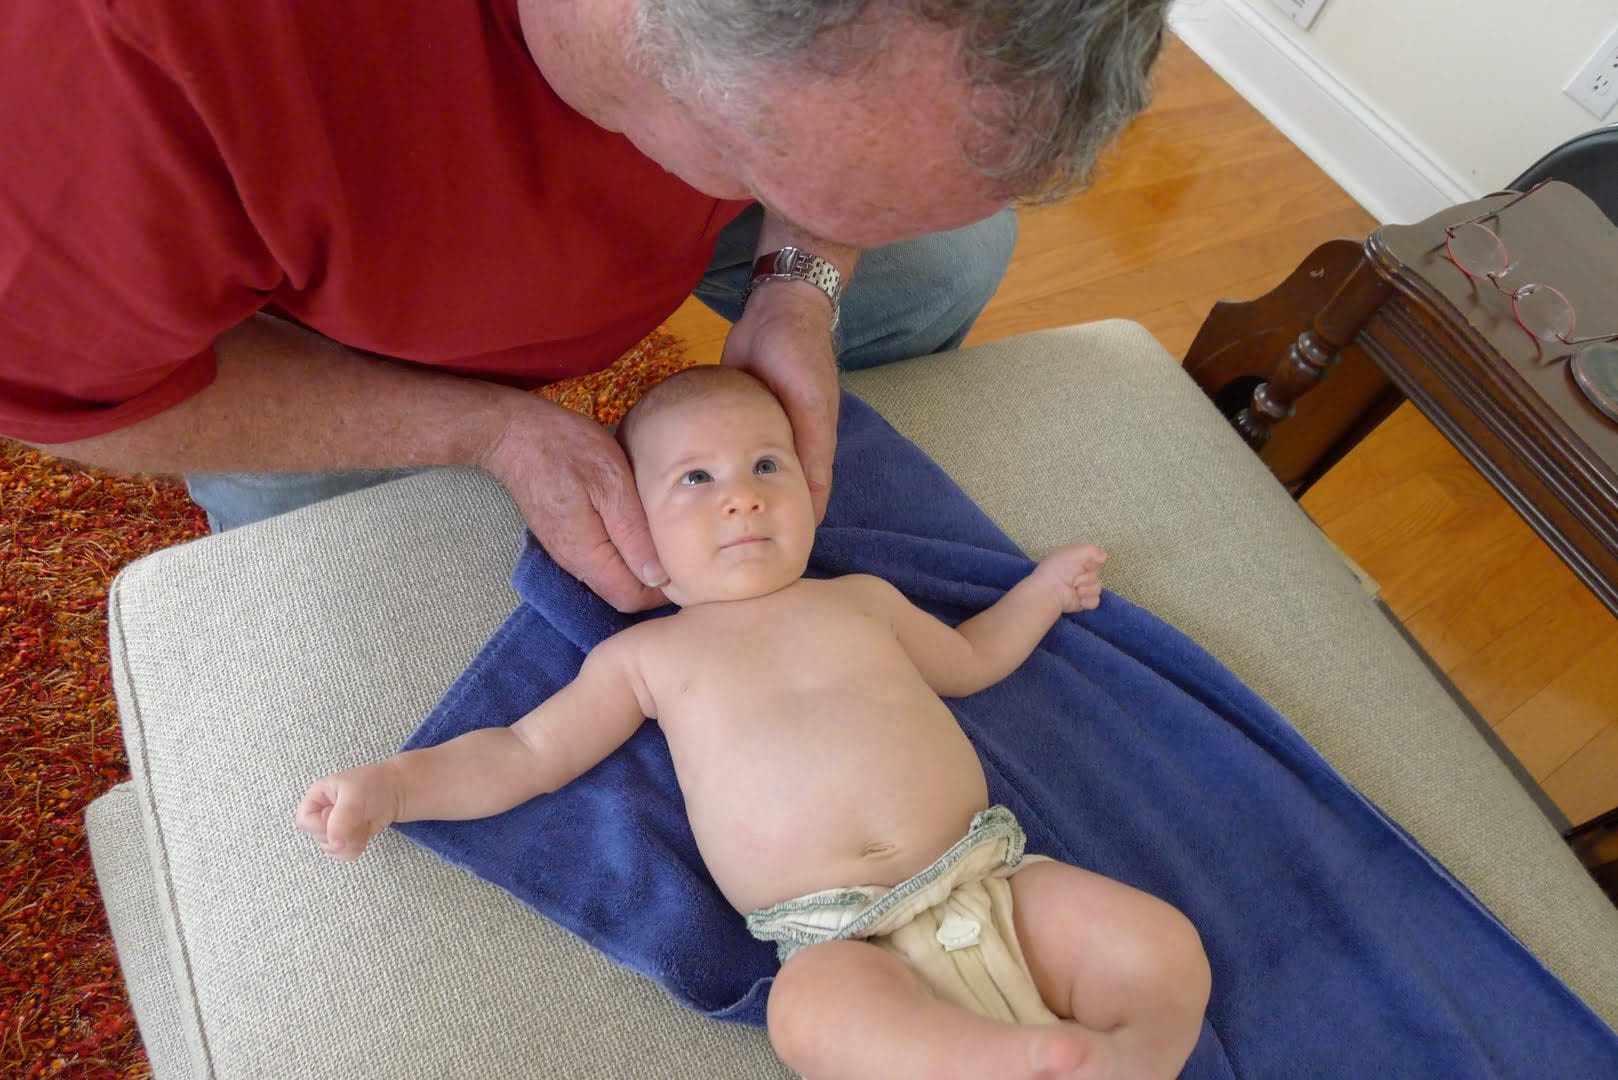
795, 264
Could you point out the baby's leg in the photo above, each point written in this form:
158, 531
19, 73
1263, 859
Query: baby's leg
1116, 960
847, 1010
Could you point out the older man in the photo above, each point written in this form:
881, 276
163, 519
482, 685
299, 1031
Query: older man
286, 249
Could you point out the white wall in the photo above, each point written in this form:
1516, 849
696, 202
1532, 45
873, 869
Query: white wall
1409, 104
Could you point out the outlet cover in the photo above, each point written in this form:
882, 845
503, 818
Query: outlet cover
1302, 12
1596, 85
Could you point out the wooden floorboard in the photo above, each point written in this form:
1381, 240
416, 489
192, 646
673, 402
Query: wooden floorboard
1203, 200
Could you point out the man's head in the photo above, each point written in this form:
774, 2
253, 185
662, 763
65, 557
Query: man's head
869, 121
725, 498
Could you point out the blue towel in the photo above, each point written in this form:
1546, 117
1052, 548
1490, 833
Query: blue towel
1339, 947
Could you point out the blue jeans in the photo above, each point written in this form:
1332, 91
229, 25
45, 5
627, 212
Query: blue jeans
908, 299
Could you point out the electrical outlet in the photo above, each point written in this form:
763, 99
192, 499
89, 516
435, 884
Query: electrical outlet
1596, 85
1302, 12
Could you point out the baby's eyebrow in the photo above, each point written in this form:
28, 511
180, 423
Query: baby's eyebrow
684, 464
699, 461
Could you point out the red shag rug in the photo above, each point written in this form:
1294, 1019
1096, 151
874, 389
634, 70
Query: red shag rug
64, 533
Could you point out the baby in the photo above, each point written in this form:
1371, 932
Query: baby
832, 795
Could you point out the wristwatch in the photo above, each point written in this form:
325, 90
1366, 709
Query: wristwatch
795, 264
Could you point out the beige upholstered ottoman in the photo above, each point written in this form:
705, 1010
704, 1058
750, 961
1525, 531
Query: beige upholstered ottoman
248, 663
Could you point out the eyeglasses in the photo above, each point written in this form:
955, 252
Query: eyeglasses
1481, 255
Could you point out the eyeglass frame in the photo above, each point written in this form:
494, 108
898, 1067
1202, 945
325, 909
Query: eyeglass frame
1588, 345
1514, 294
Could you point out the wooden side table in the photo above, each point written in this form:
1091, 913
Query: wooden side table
1394, 318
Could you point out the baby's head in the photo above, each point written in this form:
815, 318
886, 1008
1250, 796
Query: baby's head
725, 498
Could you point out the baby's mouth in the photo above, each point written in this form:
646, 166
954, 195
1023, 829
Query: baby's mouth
742, 541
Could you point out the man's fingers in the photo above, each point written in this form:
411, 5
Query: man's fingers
814, 433
623, 517
582, 547
606, 574
586, 513
819, 478
621, 565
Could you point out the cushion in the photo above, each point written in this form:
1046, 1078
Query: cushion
249, 663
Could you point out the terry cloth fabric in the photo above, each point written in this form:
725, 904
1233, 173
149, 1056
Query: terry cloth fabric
951, 924
1338, 946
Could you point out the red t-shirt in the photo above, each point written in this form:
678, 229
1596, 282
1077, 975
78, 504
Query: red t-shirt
396, 176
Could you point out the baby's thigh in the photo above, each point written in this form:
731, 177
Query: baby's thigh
1099, 949
831, 987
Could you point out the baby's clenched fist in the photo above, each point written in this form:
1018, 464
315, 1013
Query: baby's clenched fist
343, 811
1074, 571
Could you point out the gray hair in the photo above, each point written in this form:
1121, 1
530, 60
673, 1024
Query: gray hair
1056, 80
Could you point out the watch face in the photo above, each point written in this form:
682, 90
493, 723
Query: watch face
1595, 371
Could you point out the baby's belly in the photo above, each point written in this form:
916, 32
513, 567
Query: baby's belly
786, 806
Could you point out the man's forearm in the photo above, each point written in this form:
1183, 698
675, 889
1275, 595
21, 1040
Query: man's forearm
288, 400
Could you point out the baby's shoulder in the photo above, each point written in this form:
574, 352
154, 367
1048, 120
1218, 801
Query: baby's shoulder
639, 651
866, 587
865, 594
671, 638
638, 636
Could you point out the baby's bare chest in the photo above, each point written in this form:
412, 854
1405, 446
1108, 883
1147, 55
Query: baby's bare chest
780, 657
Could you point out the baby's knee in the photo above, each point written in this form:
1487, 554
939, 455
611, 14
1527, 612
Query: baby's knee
1175, 964
1155, 957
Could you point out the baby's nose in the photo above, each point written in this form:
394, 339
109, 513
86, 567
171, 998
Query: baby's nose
743, 498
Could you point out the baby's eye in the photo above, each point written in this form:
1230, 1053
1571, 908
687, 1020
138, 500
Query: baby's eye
766, 466
697, 476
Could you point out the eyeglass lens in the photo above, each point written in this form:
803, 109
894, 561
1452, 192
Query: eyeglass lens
1542, 310
1477, 250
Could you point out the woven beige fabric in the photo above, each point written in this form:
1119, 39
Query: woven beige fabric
124, 872
250, 663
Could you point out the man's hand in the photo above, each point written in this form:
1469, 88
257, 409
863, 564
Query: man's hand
576, 490
784, 339
1074, 572
343, 811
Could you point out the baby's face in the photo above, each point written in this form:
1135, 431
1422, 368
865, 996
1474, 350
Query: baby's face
725, 497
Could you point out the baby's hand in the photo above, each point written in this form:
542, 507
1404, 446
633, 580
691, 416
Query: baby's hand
1075, 572
343, 811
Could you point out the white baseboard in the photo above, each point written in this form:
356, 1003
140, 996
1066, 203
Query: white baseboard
1381, 168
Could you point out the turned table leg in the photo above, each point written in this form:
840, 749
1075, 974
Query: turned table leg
1314, 352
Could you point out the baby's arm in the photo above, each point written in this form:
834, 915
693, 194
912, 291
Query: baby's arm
484, 772
989, 646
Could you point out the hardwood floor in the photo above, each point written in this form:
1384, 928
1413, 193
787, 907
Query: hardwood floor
1528, 645
1204, 200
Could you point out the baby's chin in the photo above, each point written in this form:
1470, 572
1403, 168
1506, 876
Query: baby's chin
727, 588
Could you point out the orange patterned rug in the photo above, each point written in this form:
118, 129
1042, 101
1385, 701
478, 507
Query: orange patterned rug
64, 533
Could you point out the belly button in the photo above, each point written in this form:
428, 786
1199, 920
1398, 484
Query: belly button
878, 849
